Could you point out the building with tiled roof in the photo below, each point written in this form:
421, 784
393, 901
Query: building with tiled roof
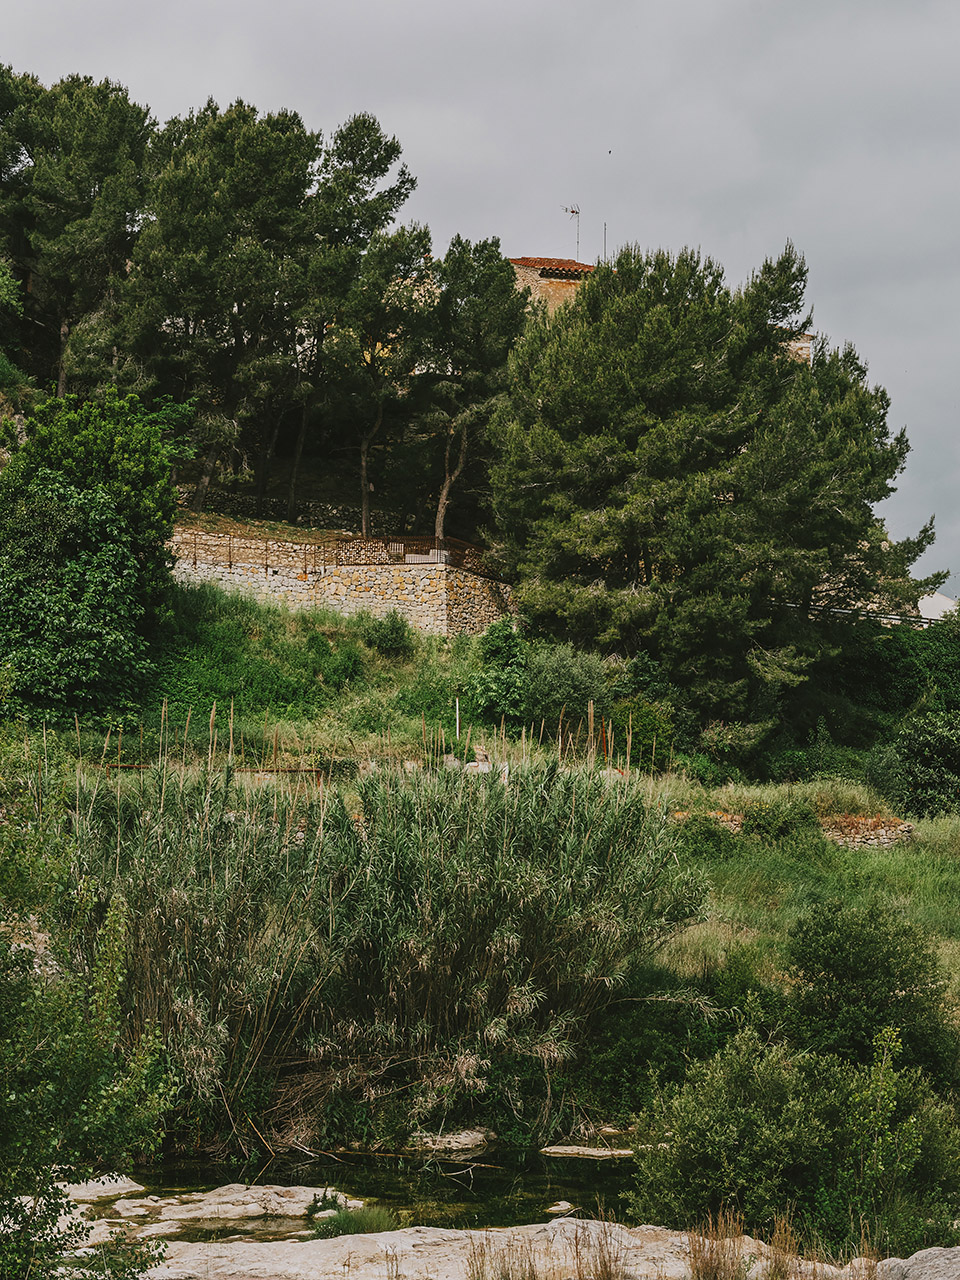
555, 280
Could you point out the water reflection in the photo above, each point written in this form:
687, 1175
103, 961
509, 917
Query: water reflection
497, 1189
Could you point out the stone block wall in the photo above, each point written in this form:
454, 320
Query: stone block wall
554, 280
434, 597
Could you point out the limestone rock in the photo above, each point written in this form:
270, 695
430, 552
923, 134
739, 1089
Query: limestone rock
562, 1206
465, 1140
416, 1253
928, 1264
107, 1187
233, 1203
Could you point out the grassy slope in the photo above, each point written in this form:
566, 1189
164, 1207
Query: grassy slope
312, 688
312, 691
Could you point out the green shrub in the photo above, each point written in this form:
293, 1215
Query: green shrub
787, 764
498, 690
749, 1128
78, 1091
344, 665
763, 1129
73, 608
431, 695
928, 764
701, 768
560, 681
391, 636
772, 819
649, 726
856, 970
704, 837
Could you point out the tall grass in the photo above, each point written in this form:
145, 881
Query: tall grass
411, 927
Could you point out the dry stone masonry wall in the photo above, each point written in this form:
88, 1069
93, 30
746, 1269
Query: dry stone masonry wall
437, 598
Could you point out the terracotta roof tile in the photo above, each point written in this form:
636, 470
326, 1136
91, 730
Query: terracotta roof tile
553, 264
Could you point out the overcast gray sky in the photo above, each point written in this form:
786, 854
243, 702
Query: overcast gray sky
732, 125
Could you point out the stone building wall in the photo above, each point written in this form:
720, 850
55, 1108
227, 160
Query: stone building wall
440, 599
555, 280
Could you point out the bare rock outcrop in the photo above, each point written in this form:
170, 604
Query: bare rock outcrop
928, 1264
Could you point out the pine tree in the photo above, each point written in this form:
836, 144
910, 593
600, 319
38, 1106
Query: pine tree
673, 476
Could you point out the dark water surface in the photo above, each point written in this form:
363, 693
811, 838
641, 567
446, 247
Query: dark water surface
495, 1189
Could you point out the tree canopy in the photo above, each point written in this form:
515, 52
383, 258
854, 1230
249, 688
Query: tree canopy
674, 476
72, 161
86, 507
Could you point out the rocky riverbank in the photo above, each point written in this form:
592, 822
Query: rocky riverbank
243, 1232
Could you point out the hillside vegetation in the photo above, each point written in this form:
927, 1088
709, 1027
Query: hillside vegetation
287, 922
279, 882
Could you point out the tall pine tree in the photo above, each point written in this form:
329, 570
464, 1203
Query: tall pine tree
672, 476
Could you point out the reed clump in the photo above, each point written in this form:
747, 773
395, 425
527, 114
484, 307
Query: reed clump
716, 1248
408, 929
594, 1252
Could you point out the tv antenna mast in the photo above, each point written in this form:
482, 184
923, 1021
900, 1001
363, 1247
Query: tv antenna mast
574, 212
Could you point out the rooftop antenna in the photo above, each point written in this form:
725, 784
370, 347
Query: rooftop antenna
574, 212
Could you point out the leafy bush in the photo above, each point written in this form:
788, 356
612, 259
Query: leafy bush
760, 1128
77, 1091
498, 690
856, 970
72, 615
749, 1128
928, 758
939, 652
391, 636
703, 769
706, 838
649, 726
119, 446
560, 681
771, 819
338, 666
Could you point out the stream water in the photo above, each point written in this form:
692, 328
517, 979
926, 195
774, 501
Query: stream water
495, 1189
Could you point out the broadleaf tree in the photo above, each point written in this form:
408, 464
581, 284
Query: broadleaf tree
86, 508
674, 476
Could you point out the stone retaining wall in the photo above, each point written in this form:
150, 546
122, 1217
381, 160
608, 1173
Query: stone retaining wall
434, 597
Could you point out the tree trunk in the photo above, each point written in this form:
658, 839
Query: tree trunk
203, 484
297, 455
264, 467
62, 365
365, 442
450, 477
